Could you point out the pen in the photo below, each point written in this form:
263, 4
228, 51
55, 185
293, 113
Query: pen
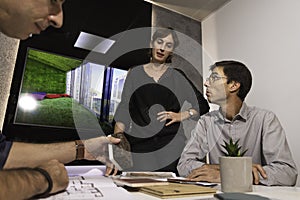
194, 183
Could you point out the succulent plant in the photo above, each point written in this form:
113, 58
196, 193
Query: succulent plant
233, 149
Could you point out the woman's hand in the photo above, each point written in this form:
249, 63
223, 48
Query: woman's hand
168, 115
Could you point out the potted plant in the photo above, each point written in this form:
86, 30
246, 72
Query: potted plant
235, 169
233, 149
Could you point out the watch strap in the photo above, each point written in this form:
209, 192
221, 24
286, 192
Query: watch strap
79, 149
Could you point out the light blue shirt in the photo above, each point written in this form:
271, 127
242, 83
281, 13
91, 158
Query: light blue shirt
258, 130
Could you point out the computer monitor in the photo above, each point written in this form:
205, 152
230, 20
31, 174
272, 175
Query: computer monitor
59, 98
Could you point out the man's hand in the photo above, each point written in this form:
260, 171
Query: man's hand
123, 155
58, 174
256, 170
97, 148
209, 173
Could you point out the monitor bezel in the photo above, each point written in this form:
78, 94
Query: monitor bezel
30, 132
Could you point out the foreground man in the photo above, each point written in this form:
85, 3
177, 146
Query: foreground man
22, 19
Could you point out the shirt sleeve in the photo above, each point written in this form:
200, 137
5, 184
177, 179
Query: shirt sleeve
4, 150
194, 153
277, 159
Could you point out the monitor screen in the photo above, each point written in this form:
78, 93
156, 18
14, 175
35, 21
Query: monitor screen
60, 98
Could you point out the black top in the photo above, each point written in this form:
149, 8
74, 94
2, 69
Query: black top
143, 98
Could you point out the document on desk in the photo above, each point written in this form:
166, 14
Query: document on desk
92, 187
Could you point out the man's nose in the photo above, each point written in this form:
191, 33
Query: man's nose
206, 83
56, 16
56, 20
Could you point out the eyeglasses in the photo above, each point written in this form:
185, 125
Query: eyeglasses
214, 77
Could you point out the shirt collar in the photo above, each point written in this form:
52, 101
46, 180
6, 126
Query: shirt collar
244, 111
242, 115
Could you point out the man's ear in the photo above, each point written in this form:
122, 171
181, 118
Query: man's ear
234, 86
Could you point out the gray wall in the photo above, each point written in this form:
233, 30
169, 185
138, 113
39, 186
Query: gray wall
8, 53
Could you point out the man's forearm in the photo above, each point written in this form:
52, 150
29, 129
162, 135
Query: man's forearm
280, 174
21, 183
185, 167
31, 155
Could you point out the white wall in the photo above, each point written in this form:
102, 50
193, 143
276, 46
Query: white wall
265, 35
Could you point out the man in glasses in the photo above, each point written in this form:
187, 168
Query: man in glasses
43, 174
257, 130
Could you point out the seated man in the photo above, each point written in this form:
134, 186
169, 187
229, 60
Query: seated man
257, 130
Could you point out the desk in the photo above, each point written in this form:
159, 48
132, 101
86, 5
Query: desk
274, 192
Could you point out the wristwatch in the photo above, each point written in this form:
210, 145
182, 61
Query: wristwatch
79, 149
191, 113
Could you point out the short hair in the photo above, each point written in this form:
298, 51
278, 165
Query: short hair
164, 32
236, 71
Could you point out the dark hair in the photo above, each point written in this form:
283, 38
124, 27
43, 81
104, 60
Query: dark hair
164, 32
236, 71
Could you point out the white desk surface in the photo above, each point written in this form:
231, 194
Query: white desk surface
274, 192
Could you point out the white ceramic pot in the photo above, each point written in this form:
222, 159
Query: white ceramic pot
236, 174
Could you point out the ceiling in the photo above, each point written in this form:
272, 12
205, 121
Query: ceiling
195, 9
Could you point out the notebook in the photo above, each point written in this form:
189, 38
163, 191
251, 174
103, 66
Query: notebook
173, 190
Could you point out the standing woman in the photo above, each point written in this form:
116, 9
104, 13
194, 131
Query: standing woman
150, 112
